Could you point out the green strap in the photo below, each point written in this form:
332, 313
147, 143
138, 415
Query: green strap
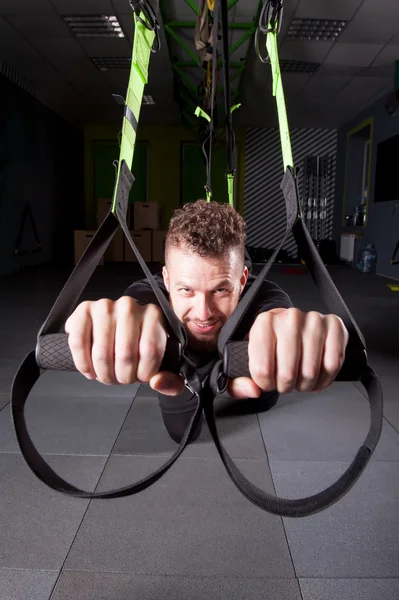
143, 41
230, 188
201, 113
278, 92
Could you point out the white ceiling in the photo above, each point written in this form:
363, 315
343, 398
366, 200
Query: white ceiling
354, 71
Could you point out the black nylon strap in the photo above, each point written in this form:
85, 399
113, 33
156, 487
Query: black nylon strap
226, 81
26, 377
303, 507
209, 140
289, 186
29, 372
311, 505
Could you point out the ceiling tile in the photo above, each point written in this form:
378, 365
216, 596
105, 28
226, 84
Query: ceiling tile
105, 46
387, 56
294, 83
27, 7
83, 7
376, 22
359, 55
357, 93
122, 7
127, 24
67, 49
327, 69
7, 32
366, 31
246, 11
322, 89
305, 51
316, 9
37, 26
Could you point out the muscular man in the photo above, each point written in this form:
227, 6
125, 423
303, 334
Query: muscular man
204, 277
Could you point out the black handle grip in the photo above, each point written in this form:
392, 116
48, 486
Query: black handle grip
53, 353
236, 362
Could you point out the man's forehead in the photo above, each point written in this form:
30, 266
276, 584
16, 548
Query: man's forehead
184, 260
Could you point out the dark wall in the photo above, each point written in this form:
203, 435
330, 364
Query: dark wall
41, 165
264, 205
382, 228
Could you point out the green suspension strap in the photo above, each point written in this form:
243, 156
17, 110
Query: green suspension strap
52, 349
199, 112
228, 109
220, 6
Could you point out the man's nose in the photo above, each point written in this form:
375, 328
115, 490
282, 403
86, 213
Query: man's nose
203, 308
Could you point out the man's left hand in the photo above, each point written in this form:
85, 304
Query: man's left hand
292, 350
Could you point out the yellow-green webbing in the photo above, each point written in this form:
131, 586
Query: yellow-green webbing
143, 41
278, 92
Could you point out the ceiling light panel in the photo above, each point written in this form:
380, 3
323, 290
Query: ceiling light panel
298, 66
94, 26
112, 63
148, 99
316, 29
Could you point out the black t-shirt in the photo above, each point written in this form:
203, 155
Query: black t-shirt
269, 296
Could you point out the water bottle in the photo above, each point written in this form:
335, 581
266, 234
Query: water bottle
368, 260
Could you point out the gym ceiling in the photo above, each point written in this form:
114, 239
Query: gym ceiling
327, 80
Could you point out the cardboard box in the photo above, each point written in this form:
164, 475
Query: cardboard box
147, 215
143, 241
103, 208
158, 246
115, 251
82, 239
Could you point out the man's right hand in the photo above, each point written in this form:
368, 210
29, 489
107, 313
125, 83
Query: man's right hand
121, 342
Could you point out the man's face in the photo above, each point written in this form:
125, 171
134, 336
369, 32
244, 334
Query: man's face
204, 292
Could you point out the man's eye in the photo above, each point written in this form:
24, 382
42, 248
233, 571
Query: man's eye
221, 290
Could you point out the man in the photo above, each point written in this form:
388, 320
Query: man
204, 276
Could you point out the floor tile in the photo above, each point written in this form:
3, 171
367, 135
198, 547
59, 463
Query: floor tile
353, 589
104, 586
4, 400
328, 426
193, 521
8, 369
60, 425
38, 524
71, 384
20, 584
358, 536
144, 433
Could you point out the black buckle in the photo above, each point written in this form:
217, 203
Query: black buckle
272, 12
150, 22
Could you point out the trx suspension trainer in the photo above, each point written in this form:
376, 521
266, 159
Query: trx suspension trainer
52, 350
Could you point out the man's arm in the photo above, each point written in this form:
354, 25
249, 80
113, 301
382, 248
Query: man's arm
270, 297
142, 291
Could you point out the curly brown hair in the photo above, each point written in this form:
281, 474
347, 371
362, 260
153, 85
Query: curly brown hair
206, 228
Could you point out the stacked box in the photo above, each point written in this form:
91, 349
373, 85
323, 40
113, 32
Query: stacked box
158, 246
142, 240
82, 238
114, 252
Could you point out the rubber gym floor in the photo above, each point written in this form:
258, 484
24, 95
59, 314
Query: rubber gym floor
193, 535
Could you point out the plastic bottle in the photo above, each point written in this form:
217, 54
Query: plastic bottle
368, 259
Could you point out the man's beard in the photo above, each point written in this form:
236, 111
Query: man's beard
206, 345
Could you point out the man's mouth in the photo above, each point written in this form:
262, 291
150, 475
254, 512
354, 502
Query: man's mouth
204, 327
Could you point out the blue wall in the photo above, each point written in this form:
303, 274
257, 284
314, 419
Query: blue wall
382, 229
41, 163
